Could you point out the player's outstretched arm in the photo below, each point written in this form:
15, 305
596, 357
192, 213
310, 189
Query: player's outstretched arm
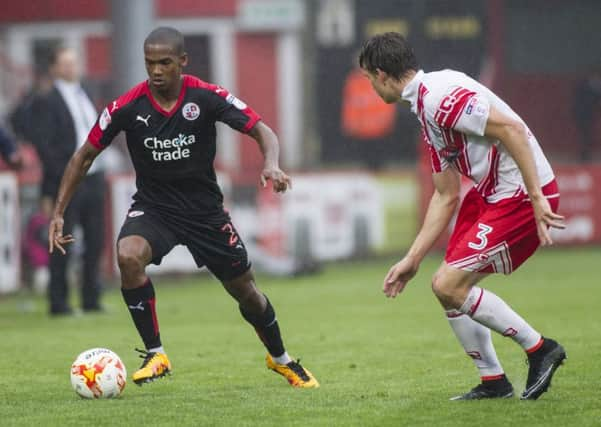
268, 142
76, 169
440, 211
512, 134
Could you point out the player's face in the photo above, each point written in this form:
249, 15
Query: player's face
382, 84
164, 66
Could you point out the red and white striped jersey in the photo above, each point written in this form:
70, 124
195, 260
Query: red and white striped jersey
453, 110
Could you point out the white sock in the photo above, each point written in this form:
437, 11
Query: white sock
284, 359
156, 350
475, 339
488, 309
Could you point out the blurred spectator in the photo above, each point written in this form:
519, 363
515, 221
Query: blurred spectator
35, 252
22, 115
9, 150
63, 119
587, 110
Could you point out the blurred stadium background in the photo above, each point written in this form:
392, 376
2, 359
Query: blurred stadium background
360, 184
360, 174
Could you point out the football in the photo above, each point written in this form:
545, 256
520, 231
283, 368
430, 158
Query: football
98, 373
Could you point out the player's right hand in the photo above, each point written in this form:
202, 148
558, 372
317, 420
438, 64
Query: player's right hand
55, 235
281, 181
398, 276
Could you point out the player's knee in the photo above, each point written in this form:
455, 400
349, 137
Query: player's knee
130, 256
443, 290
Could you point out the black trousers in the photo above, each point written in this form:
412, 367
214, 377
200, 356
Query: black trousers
87, 210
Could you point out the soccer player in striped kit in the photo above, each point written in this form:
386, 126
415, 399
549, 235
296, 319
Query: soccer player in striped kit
502, 220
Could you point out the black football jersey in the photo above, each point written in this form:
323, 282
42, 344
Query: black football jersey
173, 152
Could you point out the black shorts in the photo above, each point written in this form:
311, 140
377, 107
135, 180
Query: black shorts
213, 242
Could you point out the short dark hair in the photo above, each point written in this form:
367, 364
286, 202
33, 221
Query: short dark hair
166, 36
56, 52
388, 52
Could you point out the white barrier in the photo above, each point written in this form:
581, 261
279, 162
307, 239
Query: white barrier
326, 216
10, 233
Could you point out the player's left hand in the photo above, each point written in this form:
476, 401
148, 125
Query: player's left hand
281, 181
545, 218
398, 276
55, 235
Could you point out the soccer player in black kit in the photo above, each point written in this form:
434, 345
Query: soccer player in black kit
169, 122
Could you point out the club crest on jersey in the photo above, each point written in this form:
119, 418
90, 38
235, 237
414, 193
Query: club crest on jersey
231, 99
190, 111
105, 119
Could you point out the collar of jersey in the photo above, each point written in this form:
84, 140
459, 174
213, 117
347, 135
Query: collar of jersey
412, 88
178, 104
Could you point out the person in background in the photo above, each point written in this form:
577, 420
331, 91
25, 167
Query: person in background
587, 113
64, 117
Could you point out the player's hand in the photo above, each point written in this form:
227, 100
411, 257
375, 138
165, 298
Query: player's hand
545, 218
55, 235
281, 181
398, 276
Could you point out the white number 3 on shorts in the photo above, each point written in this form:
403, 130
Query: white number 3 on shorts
484, 230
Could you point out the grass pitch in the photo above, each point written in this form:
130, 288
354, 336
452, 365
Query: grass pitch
380, 362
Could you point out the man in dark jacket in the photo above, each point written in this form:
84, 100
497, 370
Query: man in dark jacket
65, 116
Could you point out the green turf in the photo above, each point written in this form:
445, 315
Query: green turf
380, 362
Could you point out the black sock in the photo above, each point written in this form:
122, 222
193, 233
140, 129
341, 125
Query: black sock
499, 381
267, 328
141, 304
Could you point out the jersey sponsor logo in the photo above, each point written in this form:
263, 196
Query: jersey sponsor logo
170, 149
134, 214
474, 106
105, 119
231, 99
143, 119
470, 105
190, 111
